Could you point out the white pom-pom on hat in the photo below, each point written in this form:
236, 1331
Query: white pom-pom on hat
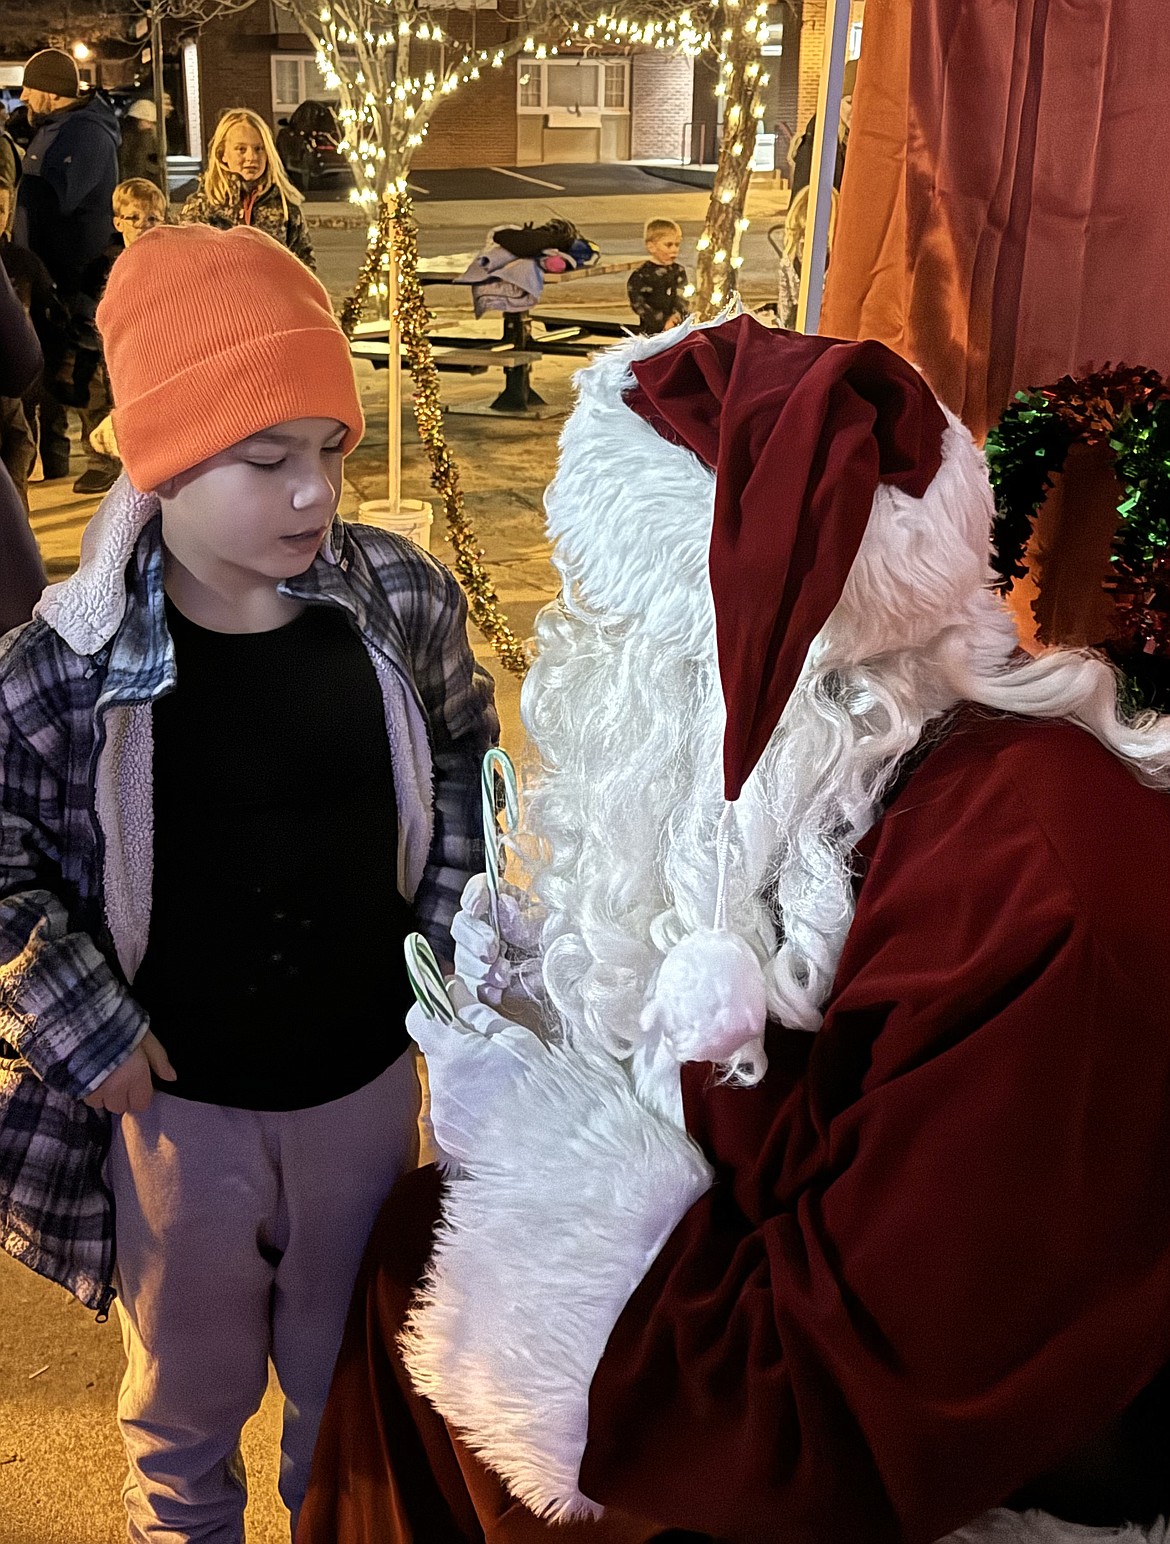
709, 1000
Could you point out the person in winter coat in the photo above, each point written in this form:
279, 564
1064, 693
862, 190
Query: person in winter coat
828, 1202
138, 154
11, 157
64, 214
68, 176
240, 757
22, 574
43, 306
139, 206
246, 184
801, 155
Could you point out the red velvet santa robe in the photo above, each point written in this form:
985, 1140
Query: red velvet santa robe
935, 1262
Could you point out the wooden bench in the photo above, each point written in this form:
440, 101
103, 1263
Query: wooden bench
517, 351
470, 356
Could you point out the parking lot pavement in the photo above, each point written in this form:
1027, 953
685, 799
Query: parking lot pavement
590, 180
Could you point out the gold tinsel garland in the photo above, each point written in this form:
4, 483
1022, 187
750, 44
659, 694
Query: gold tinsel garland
397, 235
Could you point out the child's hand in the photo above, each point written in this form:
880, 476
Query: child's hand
129, 1088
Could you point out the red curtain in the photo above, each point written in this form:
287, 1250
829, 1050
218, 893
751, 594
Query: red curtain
1005, 213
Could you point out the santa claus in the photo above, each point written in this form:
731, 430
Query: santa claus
807, 1135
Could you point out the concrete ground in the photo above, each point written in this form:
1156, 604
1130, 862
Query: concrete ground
60, 1460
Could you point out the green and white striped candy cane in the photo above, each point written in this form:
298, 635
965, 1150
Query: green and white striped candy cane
427, 983
495, 761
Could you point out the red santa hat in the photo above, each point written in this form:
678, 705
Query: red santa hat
799, 431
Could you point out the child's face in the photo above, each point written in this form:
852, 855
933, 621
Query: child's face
664, 247
135, 220
243, 152
259, 511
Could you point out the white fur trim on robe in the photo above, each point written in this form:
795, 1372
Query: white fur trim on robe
538, 1252
1002, 1526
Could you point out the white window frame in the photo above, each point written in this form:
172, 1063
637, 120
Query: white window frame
773, 44
597, 63
312, 86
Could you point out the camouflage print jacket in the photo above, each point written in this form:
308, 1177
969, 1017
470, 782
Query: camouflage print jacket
268, 212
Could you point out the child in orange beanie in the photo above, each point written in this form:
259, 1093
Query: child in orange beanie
239, 755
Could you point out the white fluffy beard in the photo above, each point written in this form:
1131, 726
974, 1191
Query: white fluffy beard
624, 712
623, 809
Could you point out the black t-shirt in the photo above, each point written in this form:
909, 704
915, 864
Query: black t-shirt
274, 974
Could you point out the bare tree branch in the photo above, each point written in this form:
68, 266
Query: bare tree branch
58, 23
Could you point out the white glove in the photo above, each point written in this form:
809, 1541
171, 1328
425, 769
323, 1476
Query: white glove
481, 962
473, 1073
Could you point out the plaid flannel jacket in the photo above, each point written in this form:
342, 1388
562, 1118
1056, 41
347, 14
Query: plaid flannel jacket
67, 1017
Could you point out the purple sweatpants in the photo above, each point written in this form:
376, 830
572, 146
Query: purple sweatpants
239, 1235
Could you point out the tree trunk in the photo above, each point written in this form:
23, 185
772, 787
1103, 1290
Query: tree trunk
719, 260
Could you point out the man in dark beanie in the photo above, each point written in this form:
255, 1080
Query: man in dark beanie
63, 209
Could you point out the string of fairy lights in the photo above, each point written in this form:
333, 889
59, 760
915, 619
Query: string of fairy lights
386, 105
414, 321
385, 109
740, 85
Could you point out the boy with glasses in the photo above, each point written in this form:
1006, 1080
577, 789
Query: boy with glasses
138, 207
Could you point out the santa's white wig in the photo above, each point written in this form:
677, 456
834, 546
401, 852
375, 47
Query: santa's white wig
625, 714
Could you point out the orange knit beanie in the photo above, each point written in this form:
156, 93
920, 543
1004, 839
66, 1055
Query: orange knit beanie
211, 336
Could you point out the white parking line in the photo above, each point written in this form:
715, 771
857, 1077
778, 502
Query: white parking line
557, 187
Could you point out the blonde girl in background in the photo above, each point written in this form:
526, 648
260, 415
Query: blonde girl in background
246, 184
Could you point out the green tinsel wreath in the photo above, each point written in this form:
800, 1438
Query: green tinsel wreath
1128, 410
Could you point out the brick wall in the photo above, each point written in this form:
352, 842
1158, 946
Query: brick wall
475, 126
661, 87
234, 66
812, 48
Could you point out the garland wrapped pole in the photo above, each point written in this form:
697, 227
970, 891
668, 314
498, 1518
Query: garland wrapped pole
413, 320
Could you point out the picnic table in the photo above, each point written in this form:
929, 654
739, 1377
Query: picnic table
518, 349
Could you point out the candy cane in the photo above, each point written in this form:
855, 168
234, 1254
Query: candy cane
495, 761
432, 996
426, 980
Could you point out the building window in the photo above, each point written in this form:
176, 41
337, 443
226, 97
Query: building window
573, 85
854, 51
773, 40
296, 79
530, 89
569, 84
